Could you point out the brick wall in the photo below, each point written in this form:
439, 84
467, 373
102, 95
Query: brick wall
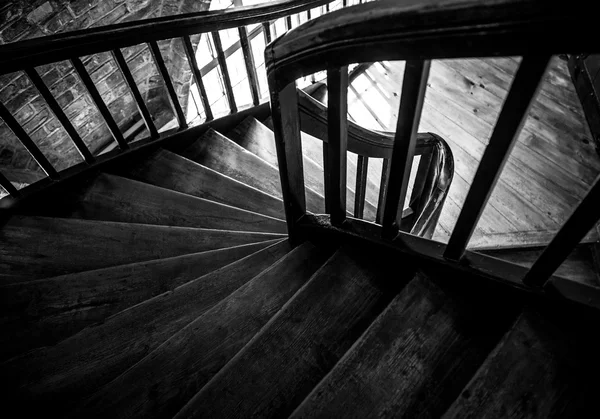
24, 19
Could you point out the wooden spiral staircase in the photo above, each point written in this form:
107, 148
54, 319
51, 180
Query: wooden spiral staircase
165, 284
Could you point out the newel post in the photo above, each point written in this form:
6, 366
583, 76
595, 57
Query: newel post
286, 125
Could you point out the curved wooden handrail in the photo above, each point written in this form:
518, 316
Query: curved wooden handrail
39, 51
430, 29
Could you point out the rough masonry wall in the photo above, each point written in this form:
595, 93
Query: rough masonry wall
22, 19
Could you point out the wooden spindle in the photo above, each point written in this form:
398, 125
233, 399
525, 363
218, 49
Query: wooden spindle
288, 23
581, 221
250, 65
414, 86
267, 32
362, 170
505, 133
172, 94
337, 134
8, 187
191, 56
223, 64
27, 142
383, 185
308, 14
99, 102
60, 114
135, 92
286, 126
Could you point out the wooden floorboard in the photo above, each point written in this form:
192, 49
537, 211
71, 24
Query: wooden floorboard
551, 166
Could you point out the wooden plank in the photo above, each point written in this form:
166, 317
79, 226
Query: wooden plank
190, 358
583, 219
58, 376
362, 173
115, 198
337, 123
44, 312
538, 370
316, 327
224, 71
415, 357
171, 171
99, 102
520, 239
172, 94
191, 56
135, 91
414, 85
29, 250
27, 142
250, 65
505, 132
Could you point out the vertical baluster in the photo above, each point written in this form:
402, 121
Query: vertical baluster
308, 14
189, 52
504, 135
162, 69
33, 149
288, 23
286, 126
362, 168
223, 64
383, 185
8, 187
267, 32
337, 134
250, 65
99, 102
344, 3
581, 221
414, 85
137, 96
60, 115
326, 173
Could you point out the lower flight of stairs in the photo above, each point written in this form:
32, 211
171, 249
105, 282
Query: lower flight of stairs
168, 289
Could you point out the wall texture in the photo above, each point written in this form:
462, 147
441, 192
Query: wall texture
24, 19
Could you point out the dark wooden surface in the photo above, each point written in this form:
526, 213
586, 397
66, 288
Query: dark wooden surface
316, 328
415, 358
114, 198
171, 171
160, 384
29, 250
44, 312
57, 376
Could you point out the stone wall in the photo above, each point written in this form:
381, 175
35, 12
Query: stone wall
23, 19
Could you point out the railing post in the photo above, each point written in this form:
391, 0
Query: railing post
514, 111
286, 126
362, 170
250, 65
189, 52
223, 64
337, 134
414, 86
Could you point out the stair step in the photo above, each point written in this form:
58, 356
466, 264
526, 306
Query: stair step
414, 359
58, 377
312, 149
172, 171
298, 347
540, 369
161, 383
219, 153
41, 247
44, 312
114, 198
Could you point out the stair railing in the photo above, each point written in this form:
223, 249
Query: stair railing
25, 56
418, 32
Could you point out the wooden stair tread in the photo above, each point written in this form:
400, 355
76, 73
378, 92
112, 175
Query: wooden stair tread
414, 359
44, 312
59, 376
538, 370
219, 153
172, 171
161, 383
312, 150
41, 247
114, 198
279, 367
